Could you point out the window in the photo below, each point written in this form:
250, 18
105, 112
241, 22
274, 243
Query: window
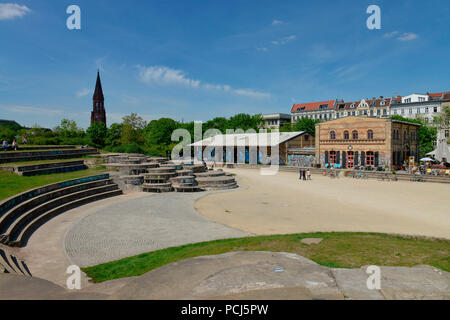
348, 113
346, 135
306, 138
378, 112
418, 110
446, 133
333, 135
383, 103
435, 109
369, 158
370, 134
410, 110
353, 113
413, 135
405, 136
333, 157
384, 111
403, 111
355, 135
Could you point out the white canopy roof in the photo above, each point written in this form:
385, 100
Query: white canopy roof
247, 139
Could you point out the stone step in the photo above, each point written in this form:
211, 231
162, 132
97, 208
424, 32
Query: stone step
8, 217
23, 236
19, 224
64, 169
51, 155
188, 189
10, 203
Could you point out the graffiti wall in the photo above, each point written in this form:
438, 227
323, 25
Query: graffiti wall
298, 160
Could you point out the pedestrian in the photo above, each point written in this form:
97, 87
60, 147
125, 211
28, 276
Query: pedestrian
300, 171
304, 175
308, 174
15, 146
5, 145
25, 139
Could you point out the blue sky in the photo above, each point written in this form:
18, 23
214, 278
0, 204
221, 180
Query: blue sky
195, 60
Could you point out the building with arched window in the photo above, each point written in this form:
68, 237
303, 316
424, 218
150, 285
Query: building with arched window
373, 142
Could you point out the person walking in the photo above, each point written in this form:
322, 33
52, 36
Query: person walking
25, 139
304, 175
15, 146
300, 172
308, 174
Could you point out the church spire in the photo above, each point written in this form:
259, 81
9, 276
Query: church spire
98, 93
98, 113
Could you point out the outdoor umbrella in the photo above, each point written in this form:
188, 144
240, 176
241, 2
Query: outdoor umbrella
426, 159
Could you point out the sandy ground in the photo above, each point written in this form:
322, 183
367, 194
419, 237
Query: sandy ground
282, 204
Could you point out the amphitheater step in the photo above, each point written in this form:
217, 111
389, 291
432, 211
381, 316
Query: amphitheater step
21, 239
11, 264
16, 211
19, 224
10, 157
63, 169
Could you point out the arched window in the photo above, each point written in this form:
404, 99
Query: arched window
355, 135
370, 134
333, 135
346, 135
405, 136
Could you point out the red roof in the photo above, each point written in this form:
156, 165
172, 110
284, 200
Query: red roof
312, 106
435, 95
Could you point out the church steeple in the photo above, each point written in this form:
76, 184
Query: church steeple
98, 112
98, 93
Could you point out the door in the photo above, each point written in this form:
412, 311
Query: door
350, 160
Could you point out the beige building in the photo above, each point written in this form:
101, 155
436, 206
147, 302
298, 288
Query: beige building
365, 141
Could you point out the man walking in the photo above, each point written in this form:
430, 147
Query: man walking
300, 171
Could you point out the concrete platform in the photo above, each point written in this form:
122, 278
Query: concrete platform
249, 276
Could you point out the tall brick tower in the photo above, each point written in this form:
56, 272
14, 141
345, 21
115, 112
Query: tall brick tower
98, 113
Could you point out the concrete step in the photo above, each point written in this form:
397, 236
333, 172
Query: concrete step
55, 170
20, 223
8, 217
23, 236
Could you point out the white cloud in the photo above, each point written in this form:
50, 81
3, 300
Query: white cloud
161, 75
408, 36
284, 40
390, 34
166, 76
9, 11
83, 93
252, 93
32, 110
277, 22
262, 49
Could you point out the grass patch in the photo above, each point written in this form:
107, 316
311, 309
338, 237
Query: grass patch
12, 184
337, 250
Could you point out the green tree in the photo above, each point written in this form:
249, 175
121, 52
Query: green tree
113, 135
97, 134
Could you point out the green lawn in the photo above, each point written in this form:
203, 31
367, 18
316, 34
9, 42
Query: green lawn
338, 250
12, 184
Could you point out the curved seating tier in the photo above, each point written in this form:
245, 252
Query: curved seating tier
19, 156
48, 168
21, 215
11, 264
